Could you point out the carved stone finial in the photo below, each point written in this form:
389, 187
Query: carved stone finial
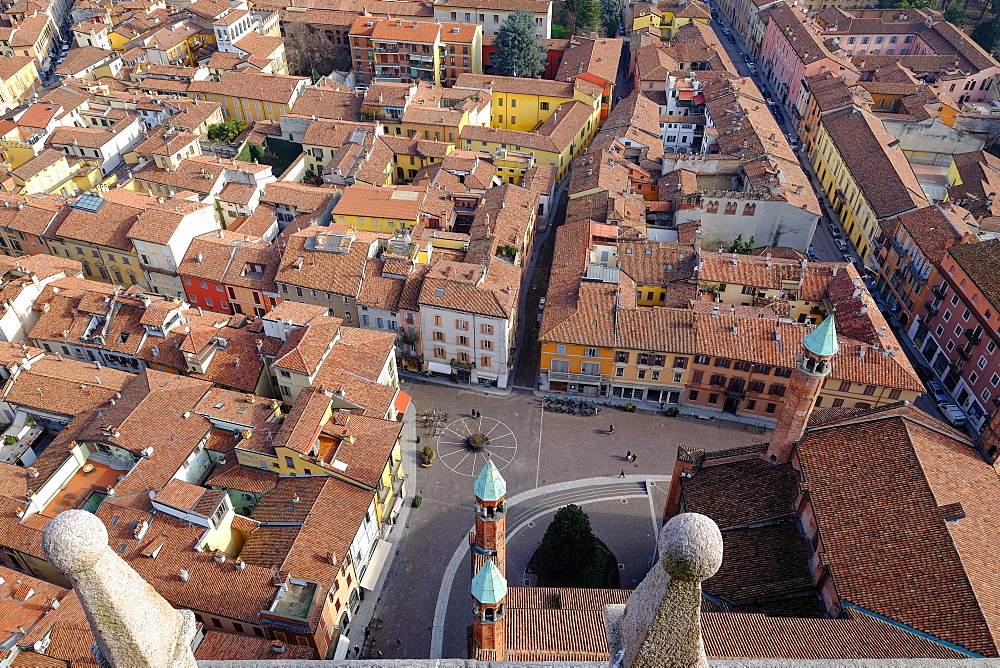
135, 627
660, 626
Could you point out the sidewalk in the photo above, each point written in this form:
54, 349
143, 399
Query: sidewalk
415, 377
367, 609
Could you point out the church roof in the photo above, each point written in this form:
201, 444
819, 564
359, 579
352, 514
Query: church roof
822, 341
489, 585
490, 485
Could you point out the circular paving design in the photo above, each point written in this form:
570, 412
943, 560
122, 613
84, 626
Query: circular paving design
455, 451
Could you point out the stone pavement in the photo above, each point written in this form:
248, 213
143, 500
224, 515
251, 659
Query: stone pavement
552, 449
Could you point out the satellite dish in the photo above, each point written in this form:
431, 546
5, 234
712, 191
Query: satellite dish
152, 494
147, 452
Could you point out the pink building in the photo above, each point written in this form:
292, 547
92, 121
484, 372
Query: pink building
957, 330
792, 51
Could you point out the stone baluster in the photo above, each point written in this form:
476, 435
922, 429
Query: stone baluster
135, 627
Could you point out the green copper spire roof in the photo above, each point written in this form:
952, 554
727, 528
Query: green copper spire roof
490, 485
822, 341
489, 586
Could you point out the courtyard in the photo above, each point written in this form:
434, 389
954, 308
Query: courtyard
548, 460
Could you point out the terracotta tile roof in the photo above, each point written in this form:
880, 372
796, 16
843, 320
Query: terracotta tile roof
180, 494
934, 229
749, 636
43, 160
219, 646
598, 57
80, 59
941, 498
536, 6
360, 449
150, 413
399, 202
303, 198
307, 347
339, 273
298, 312
66, 386
328, 514
980, 172
301, 428
553, 134
879, 169
229, 258
457, 286
232, 475
741, 493
330, 103
277, 88
978, 261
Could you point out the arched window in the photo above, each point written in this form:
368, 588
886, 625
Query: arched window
712, 207
749, 209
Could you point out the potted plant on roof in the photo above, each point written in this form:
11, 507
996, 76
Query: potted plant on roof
477, 441
427, 456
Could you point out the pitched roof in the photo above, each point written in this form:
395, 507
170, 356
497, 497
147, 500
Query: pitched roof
877, 165
923, 559
979, 261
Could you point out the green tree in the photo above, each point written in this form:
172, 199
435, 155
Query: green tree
569, 546
226, 131
741, 247
611, 13
954, 14
987, 34
915, 4
581, 16
519, 53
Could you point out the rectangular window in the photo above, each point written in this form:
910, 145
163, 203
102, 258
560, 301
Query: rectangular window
680, 362
894, 394
777, 390
770, 408
693, 395
722, 362
713, 398
845, 386
697, 376
591, 352
620, 372
869, 390
701, 359
621, 357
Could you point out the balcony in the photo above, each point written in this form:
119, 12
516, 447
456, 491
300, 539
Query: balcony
974, 335
965, 354
940, 291
933, 307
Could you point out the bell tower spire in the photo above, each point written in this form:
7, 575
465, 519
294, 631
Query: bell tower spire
812, 366
489, 628
489, 540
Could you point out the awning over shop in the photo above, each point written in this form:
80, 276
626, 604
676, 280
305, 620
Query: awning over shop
375, 565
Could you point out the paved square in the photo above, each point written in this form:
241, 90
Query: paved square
559, 459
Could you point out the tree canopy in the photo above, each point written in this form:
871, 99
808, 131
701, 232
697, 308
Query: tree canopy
741, 247
987, 34
569, 546
581, 16
226, 131
954, 14
518, 50
611, 12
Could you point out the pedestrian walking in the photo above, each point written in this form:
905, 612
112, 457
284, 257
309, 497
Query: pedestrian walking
368, 632
611, 429
380, 654
622, 474
479, 415
398, 642
357, 651
628, 455
473, 412
633, 457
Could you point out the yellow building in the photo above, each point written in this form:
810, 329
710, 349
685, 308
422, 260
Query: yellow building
311, 442
49, 172
95, 233
251, 96
523, 104
554, 142
669, 17
18, 81
864, 174
390, 209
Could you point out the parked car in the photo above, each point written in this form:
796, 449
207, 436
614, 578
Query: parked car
732, 40
794, 143
936, 390
841, 244
778, 117
953, 414
541, 303
834, 232
811, 252
746, 57
725, 31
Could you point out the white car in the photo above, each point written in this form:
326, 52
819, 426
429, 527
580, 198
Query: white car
953, 414
541, 304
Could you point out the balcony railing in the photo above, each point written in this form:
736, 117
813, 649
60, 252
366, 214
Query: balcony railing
939, 290
933, 307
974, 335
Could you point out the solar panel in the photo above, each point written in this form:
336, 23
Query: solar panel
88, 203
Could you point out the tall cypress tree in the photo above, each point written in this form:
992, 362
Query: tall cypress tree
519, 53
